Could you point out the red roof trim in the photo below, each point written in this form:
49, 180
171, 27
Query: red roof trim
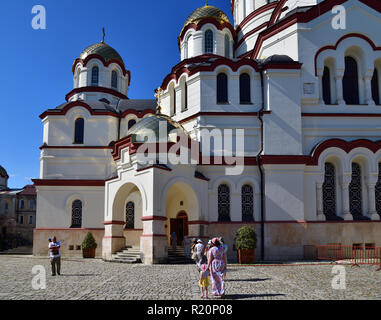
255, 13
105, 63
349, 35
77, 104
180, 69
95, 89
344, 145
343, 115
247, 35
61, 182
154, 218
197, 26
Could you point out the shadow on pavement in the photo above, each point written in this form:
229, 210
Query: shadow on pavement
247, 280
248, 296
79, 275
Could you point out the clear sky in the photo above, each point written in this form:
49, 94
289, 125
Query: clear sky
35, 72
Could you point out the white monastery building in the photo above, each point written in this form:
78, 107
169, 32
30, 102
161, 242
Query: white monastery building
301, 93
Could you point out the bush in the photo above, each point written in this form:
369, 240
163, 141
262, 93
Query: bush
246, 239
89, 242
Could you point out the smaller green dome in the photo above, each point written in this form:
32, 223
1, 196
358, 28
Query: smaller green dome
142, 130
104, 50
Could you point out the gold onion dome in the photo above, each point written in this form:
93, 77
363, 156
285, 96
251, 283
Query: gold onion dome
104, 50
205, 12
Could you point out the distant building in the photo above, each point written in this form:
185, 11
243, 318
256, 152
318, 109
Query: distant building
17, 212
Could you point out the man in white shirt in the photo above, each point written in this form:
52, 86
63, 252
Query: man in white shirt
55, 256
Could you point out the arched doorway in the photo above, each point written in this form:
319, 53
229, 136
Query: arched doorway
180, 226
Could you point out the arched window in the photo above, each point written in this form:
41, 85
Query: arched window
351, 82
247, 199
378, 191
188, 47
79, 130
131, 123
223, 203
227, 46
375, 87
329, 192
114, 80
209, 41
130, 215
222, 88
76, 214
327, 86
355, 192
244, 88
95, 76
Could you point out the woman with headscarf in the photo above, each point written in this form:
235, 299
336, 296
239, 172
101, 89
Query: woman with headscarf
217, 266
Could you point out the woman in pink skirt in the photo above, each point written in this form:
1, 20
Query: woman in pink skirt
217, 266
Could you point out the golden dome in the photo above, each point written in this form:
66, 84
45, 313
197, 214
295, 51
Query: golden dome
204, 13
103, 50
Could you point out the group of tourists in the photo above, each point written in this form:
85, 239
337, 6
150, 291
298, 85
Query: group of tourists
211, 261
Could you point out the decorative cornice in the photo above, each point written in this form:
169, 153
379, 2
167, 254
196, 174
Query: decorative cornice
96, 89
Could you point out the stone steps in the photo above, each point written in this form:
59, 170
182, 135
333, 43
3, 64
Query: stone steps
127, 255
177, 256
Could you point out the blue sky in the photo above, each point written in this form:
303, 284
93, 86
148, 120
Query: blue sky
36, 75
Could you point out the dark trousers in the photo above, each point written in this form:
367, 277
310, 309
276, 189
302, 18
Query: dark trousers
56, 263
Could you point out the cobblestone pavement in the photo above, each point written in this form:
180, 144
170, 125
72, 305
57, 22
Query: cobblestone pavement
95, 279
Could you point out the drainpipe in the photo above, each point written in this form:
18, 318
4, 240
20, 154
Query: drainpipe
259, 164
119, 119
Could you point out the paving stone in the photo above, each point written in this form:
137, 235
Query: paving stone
98, 280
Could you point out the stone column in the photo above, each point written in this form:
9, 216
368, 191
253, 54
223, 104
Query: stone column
371, 183
346, 180
321, 100
154, 241
339, 89
113, 239
368, 90
319, 202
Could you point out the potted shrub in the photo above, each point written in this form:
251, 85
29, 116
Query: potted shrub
88, 246
245, 243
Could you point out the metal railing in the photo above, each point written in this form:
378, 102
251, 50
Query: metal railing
356, 254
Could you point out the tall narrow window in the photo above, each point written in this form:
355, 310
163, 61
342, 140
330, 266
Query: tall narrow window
329, 192
244, 88
130, 215
227, 46
209, 41
351, 82
185, 92
375, 87
22, 204
355, 192
114, 80
174, 101
222, 88
79, 128
6, 208
76, 214
131, 123
378, 191
95, 76
188, 47
223, 203
327, 86
247, 199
